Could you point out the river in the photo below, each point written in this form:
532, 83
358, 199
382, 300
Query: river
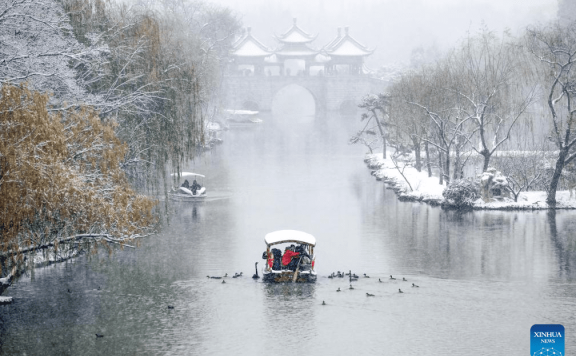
484, 277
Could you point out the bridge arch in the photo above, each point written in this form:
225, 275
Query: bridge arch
329, 92
295, 98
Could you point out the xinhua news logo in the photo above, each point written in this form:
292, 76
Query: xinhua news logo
547, 340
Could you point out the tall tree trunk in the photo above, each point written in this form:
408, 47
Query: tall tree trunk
487, 156
456, 163
441, 166
551, 198
447, 166
381, 134
417, 154
428, 163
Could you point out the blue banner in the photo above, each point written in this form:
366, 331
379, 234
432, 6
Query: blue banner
547, 340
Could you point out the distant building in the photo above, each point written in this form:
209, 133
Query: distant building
294, 56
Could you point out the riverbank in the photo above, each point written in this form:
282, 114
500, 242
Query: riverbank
427, 190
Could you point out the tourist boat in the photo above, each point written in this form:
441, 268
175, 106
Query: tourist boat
242, 117
183, 193
276, 244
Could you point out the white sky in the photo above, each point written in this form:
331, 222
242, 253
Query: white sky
394, 27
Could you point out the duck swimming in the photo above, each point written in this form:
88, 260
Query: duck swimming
256, 276
379, 280
338, 290
366, 276
404, 279
170, 307
392, 277
400, 290
351, 287
369, 295
323, 303
413, 285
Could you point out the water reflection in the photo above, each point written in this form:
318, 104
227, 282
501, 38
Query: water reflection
481, 273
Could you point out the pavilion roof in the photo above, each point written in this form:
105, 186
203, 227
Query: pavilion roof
249, 46
346, 46
295, 35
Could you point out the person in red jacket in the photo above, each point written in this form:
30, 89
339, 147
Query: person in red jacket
287, 259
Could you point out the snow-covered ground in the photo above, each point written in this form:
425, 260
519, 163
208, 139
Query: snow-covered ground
427, 189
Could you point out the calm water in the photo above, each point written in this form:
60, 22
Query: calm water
485, 277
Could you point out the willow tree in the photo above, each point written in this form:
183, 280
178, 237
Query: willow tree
491, 88
157, 77
60, 178
554, 50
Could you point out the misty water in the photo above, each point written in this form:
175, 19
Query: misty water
485, 277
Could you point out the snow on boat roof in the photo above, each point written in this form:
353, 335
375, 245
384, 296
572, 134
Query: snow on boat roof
281, 236
188, 174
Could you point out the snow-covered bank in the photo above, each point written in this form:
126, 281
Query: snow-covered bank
426, 189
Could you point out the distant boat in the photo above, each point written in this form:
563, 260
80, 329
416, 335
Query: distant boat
188, 192
242, 116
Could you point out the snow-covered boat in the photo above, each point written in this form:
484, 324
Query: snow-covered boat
295, 263
242, 116
189, 191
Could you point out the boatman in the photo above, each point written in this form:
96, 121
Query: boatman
288, 260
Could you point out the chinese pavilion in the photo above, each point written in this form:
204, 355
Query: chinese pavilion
342, 55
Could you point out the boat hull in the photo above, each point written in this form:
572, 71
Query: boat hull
287, 276
182, 197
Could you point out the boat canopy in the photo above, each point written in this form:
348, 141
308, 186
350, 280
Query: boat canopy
187, 174
283, 236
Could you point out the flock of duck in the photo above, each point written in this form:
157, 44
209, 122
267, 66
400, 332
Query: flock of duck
353, 277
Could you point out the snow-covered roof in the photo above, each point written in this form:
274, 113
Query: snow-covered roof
283, 236
249, 46
346, 46
335, 40
295, 35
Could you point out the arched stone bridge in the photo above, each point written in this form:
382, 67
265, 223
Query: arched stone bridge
330, 93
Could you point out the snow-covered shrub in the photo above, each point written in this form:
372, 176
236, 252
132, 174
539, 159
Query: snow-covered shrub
462, 192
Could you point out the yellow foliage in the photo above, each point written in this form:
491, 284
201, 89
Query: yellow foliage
60, 175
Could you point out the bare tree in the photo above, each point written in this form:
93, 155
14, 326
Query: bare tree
523, 169
490, 90
554, 48
375, 107
408, 120
439, 103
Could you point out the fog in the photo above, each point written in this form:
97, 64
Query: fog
394, 28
